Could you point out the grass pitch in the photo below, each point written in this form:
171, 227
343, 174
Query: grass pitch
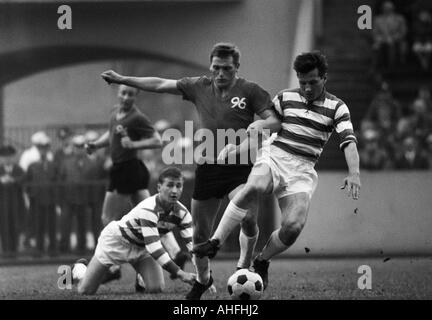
289, 279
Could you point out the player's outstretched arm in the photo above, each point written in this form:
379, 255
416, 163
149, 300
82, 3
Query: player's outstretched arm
152, 84
102, 142
352, 181
153, 142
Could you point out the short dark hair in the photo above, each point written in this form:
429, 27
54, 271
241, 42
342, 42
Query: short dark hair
170, 172
308, 61
225, 50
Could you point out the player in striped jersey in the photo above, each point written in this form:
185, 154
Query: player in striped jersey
285, 167
135, 239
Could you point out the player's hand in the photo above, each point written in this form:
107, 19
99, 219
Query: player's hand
111, 76
352, 184
258, 126
226, 151
127, 143
90, 147
187, 277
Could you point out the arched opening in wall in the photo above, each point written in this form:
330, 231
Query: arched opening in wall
50, 88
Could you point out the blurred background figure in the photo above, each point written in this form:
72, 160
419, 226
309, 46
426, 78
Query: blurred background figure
411, 157
384, 113
65, 148
28, 157
422, 38
74, 196
373, 155
12, 208
389, 37
32, 154
429, 150
40, 177
95, 175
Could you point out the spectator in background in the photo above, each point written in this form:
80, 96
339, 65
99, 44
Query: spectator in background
428, 143
372, 155
384, 112
424, 95
389, 37
12, 208
75, 197
416, 118
411, 157
66, 148
421, 119
32, 154
95, 176
28, 157
422, 38
63, 152
41, 176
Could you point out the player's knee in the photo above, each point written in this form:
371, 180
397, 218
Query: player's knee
292, 227
252, 190
290, 231
249, 222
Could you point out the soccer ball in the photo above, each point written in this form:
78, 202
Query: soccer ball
78, 271
245, 285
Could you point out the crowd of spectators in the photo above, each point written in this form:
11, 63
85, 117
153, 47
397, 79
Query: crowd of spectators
46, 194
397, 136
402, 34
51, 198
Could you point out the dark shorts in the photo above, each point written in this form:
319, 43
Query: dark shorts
215, 181
128, 177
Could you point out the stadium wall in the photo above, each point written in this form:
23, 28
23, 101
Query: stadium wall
393, 216
74, 93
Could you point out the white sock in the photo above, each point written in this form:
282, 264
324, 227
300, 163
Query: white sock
202, 267
273, 246
247, 247
231, 218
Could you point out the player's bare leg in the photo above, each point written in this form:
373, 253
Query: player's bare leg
115, 206
203, 218
152, 274
249, 232
294, 209
94, 276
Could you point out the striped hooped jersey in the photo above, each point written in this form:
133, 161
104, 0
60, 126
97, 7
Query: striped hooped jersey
144, 224
306, 127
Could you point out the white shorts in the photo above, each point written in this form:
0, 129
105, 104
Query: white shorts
290, 173
113, 249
